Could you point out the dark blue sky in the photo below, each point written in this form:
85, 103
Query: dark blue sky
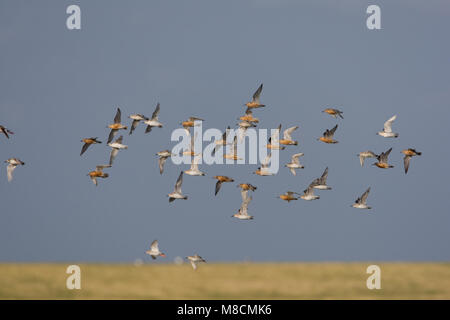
206, 58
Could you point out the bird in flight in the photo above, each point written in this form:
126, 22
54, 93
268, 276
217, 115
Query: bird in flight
289, 196
195, 259
242, 212
12, 165
321, 183
365, 154
153, 121
409, 153
177, 194
383, 160
334, 112
327, 136
116, 146
308, 194
220, 180
255, 99
287, 139
87, 143
116, 126
295, 163
163, 155
136, 119
98, 173
360, 203
5, 131
154, 250
387, 130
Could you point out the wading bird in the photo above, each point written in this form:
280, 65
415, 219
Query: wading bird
154, 250
360, 203
87, 143
12, 165
387, 130
116, 126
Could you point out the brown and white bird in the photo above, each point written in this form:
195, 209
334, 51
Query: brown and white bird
295, 163
163, 155
220, 180
409, 153
5, 131
365, 154
327, 136
360, 203
154, 250
243, 210
287, 139
383, 160
194, 260
136, 119
12, 165
87, 143
116, 146
116, 126
98, 173
289, 196
334, 112
177, 193
153, 121
247, 186
321, 183
255, 99
308, 193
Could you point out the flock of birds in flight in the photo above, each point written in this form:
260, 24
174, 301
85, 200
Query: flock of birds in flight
246, 121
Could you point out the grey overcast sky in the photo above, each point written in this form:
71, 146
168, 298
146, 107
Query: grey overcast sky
206, 58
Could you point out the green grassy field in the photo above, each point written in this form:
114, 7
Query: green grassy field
227, 281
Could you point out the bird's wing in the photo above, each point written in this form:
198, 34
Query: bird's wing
388, 124
332, 131
194, 266
194, 163
218, 185
323, 178
134, 125
287, 133
94, 180
384, 155
293, 171
9, 170
244, 205
156, 112
244, 194
111, 135
154, 246
295, 157
161, 162
364, 196
179, 182
84, 148
118, 116
257, 94
113, 155
406, 160
361, 160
